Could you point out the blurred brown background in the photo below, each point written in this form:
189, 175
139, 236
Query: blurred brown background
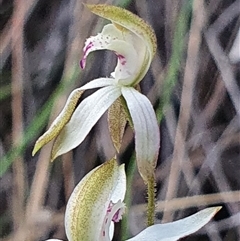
194, 84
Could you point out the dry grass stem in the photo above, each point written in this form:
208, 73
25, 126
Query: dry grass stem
191, 70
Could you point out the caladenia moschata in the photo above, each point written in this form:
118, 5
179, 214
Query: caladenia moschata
97, 201
134, 43
96, 204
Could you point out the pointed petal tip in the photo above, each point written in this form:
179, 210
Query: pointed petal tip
117, 147
52, 159
54, 155
38, 145
35, 150
61, 120
218, 208
215, 209
178, 229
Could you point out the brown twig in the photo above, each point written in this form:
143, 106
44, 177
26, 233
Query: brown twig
19, 188
219, 55
214, 153
7, 38
193, 201
191, 69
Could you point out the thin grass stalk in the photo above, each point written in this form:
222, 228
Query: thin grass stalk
151, 200
18, 194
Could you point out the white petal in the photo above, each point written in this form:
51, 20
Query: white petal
178, 229
84, 118
87, 206
53, 240
97, 83
147, 137
66, 114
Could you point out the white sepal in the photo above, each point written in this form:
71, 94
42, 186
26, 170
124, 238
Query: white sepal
84, 118
147, 136
97, 83
178, 229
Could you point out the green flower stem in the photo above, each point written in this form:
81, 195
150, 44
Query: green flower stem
151, 200
128, 197
130, 174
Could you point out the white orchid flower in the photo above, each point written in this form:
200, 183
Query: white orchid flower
97, 203
134, 43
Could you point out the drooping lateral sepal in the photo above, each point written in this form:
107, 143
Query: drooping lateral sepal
65, 115
147, 136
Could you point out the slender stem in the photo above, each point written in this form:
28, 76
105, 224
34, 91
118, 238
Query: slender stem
128, 198
151, 200
18, 180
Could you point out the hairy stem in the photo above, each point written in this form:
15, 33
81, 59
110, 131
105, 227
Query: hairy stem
151, 200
